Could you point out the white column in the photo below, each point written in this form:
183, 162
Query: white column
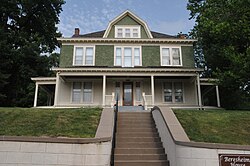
103, 90
199, 90
217, 95
153, 90
36, 93
57, 89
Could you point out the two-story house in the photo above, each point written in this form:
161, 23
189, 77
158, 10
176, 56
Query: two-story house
128, 61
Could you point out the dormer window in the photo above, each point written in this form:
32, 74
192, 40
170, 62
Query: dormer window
127, 31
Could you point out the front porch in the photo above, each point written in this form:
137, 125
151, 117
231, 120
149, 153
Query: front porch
82, 87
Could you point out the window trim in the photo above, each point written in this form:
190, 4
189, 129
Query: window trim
173, 92
131, 27
133, 57
171, 56
81, 94
84, 55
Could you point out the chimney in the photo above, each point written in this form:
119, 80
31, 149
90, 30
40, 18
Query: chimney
77, 32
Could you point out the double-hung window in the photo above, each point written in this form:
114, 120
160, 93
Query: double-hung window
173, 92
82, 92
171, 56
126, 56
84, 55
132, 31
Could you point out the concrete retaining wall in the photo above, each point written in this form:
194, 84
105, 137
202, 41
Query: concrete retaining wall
41, 151
31, 153
182, 152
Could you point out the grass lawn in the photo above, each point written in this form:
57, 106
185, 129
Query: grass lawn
216, 126
79, 122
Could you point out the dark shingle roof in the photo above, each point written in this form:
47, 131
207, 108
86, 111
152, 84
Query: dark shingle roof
99, 34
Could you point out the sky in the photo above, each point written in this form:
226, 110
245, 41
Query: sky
165, 16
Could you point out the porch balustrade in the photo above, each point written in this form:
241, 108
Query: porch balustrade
147, 100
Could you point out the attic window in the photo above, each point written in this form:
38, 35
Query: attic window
127, 31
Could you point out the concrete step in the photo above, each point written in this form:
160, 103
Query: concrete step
138, 130
138, 134
142, 163
138, 139
140, 157
139, 151
131, 125
139, 144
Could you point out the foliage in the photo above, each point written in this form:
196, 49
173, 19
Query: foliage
223, 33
216, 126
81, 122
27, 29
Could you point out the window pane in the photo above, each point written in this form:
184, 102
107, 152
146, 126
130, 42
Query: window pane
118, 60
127, 57
176, 56
89, 56
119, 32
165, 56
167, 92
135, 33
137, 56
127, 32
117, 90
87, 92
76, 94
78, 56
138, 91
178, 92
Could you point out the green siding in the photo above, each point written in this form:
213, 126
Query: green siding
151, 56
127, 21
104, 55
187, 56
66, 57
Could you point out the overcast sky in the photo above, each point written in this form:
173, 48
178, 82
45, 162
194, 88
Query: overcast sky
166, 16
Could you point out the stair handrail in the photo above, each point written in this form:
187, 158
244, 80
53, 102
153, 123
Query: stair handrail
114, 133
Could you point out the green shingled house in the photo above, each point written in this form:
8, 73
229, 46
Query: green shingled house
128, 61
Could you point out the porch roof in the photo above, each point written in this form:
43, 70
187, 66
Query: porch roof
127, 71
44, 80
209, 81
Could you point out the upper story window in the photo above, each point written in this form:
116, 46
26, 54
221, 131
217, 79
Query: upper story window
127, 31
84, 55
171, 56
127, 56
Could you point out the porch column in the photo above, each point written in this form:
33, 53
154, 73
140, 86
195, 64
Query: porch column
57, 89
103, 90
199, 90
153, 90
36, 93
217, 95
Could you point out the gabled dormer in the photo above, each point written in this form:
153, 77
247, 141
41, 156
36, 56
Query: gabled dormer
127, 25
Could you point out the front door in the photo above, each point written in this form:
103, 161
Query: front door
127, 93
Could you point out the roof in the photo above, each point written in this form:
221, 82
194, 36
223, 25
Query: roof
99, 34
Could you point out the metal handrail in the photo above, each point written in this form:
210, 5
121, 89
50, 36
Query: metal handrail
114, 133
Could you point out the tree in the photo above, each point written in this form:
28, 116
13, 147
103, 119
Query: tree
223, 32
27, 29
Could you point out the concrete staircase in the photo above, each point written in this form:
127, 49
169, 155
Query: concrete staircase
137, 141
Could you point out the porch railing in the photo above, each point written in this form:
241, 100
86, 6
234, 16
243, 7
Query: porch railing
146, 100
110, 99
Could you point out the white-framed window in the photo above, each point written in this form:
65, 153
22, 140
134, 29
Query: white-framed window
127, 56
117, 90
173, 92
138, 94
131, 31
82, 92
84, 56
171, 56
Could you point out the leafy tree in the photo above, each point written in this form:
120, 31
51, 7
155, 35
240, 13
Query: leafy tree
27, 29
223, 32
